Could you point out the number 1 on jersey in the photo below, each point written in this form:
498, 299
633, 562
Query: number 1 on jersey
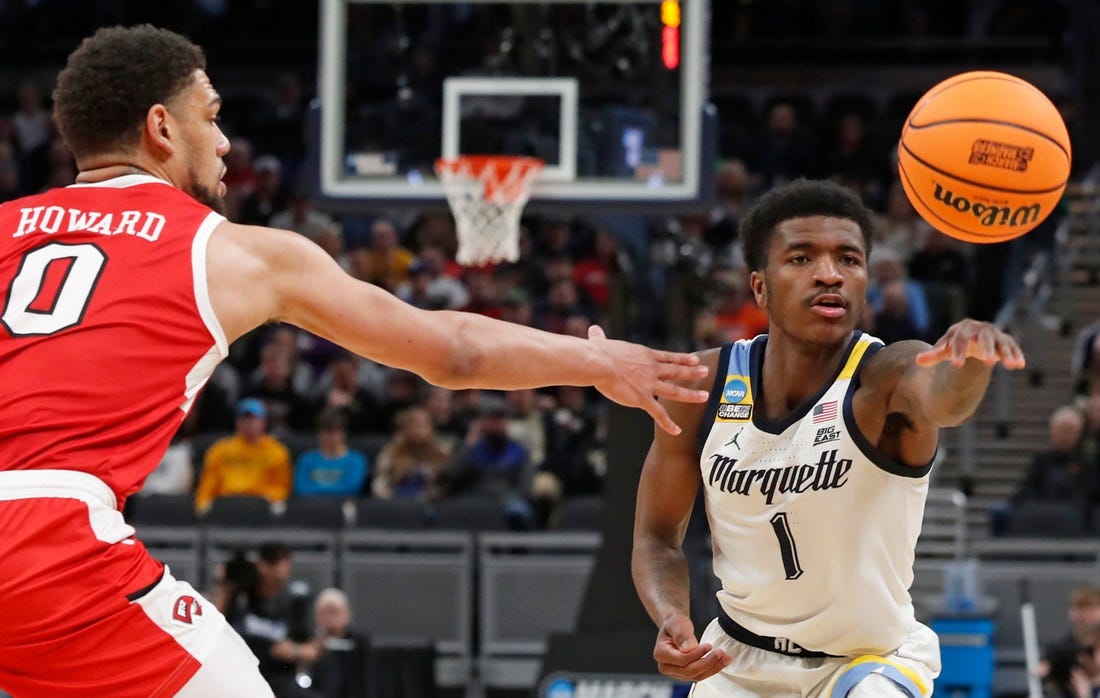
786, 546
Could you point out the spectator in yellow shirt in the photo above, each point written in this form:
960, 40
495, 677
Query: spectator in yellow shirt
384, 261
248, 462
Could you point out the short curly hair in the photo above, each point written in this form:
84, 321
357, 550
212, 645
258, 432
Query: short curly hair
798, 199
113, 77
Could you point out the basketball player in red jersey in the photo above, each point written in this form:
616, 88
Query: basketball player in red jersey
119, 296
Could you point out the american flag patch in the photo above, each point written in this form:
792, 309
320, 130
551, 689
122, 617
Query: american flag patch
824, 412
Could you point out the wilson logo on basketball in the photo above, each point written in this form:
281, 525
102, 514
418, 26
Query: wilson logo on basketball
988, 215
1002, 155
185, 608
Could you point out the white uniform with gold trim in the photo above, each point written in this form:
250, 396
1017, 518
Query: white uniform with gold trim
814, 534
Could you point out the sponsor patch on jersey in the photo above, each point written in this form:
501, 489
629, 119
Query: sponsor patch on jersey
736, 390
734, 412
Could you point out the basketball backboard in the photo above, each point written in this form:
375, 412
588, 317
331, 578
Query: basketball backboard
611, 94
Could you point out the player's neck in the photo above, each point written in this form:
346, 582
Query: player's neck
793, 371
110, 171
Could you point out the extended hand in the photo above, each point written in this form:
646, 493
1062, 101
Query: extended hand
971, 339
641, 375
680, 656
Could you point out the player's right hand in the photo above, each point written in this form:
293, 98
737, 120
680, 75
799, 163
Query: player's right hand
680, 656
969, 338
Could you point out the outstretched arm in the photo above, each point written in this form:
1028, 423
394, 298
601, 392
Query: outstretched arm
260, 274
666, 493
951, 377
910, 390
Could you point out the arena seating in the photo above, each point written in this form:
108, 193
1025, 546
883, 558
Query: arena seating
329, 513
581, 513
529, 586
239, 510
416, 588
161, 510
469, 513
392, 514
485, 600
1048, 519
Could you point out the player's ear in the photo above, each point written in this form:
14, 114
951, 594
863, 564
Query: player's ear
159, 130
759, 288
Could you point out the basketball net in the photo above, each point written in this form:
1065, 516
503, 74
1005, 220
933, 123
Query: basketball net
487, 194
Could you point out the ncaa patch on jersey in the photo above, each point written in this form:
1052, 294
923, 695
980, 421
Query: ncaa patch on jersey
734, 412
737, 388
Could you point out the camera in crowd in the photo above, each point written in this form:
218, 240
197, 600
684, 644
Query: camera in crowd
243, 582
240, 572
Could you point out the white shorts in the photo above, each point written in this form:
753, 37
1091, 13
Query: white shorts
753, 672
228, 668
86, 612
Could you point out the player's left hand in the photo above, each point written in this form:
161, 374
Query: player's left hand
640, 375
972, 339
680, 656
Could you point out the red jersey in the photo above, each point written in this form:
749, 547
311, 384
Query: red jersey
106, 329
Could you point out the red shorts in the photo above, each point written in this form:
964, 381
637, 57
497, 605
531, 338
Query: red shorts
86, 611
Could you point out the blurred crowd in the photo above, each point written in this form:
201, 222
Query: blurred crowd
311, 418
290, 415
1059, 493
308, 418
894, 19
305, 640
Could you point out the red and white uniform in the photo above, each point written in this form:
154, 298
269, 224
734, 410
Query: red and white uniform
106, 336
107, 326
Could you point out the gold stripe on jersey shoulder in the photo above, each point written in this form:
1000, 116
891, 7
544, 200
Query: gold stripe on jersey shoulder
850, 366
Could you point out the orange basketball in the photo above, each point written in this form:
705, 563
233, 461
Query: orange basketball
984, 156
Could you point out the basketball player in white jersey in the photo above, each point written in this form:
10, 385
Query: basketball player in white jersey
814, 453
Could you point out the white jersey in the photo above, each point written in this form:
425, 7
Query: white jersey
813, 530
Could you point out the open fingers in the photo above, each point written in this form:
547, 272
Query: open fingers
681, 372
985, 344
675, 357
671, 391
1000, 347
660, 416
1011, 354
929, 357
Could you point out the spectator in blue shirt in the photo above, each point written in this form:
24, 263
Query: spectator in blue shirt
887, 266
332, 469
491, 463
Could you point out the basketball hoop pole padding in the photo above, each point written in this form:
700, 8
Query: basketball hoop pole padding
486, 194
